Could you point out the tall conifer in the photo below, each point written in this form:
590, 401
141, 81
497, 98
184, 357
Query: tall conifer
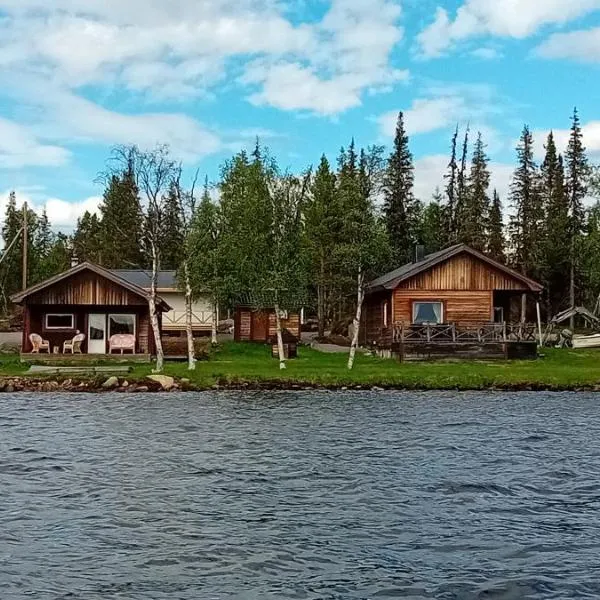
495, 233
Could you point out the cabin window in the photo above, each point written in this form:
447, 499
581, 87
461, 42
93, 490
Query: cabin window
60, 321
428, 312
121, 324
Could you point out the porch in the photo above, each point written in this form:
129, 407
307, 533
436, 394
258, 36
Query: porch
427, 341
43, 358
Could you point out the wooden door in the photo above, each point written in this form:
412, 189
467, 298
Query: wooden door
260, 326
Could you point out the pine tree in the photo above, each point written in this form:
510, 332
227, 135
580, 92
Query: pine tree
556, 243
475, 202
398, 196
577, 169
172, 242
431, 224
526, 222
42, 247
121, 223
495, 232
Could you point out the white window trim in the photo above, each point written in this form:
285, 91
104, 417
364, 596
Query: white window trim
49, 327
108, 332
414, 308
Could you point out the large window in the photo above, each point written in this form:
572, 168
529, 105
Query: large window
428, 312
60, 321
121, 324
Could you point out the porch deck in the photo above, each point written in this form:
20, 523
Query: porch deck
81, 359
467, 341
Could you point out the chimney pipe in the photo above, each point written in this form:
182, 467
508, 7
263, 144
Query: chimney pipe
419, 252
74, 260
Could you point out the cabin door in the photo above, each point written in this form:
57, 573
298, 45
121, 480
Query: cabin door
96, 334
260, 326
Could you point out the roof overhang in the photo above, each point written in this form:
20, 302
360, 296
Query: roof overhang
20, 297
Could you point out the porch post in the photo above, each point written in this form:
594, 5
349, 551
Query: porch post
539, 320
523, 308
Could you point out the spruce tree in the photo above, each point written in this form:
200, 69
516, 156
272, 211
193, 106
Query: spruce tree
86, 239
577, 170
495, 232
451, 194
461, 215
431, 224
526, 221
556, 243
475, 201
40, 252
398, 196
172, 232
121, 223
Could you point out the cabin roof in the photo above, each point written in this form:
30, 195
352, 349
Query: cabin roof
391, 280
87, 266
167, 280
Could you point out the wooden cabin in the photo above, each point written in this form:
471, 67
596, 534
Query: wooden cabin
91, 300
254, 325
458, 288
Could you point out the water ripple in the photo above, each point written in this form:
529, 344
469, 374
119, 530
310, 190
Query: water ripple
300, 495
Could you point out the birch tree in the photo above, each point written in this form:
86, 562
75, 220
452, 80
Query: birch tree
186, 207
154, 172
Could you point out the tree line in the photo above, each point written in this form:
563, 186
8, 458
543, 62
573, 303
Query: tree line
266, 236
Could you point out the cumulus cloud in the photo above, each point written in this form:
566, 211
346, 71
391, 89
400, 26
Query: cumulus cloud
19, 148
430, 171
583, 46
62, 214
510, 18
591, 139
181, 49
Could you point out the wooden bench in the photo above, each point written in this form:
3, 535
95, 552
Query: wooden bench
122, 342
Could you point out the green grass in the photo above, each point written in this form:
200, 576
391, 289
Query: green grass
240, 364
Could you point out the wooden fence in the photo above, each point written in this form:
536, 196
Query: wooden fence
480, 333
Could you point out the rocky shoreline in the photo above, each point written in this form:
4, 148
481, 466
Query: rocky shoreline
162, 383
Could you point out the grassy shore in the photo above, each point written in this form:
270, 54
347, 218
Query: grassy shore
241, 365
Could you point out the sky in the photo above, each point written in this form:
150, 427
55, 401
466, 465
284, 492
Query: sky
208, 76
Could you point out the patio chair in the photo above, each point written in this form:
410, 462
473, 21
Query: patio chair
39, 344
74, 346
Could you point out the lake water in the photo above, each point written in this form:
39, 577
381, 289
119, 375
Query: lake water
300, 495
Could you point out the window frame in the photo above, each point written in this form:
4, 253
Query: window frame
414, 312
109, 333
54, 328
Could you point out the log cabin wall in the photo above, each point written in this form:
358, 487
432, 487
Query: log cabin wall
292, 324
462, 272
250, 325
86, 288
372, 320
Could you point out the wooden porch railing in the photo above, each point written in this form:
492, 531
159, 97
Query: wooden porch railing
175, 319
466, 332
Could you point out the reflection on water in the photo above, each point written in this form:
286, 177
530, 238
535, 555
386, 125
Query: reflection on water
300, 495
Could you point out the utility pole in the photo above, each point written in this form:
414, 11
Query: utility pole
25, 239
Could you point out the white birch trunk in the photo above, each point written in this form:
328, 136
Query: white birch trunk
360, 295
160, 357
279, 338
188, 317
215, 320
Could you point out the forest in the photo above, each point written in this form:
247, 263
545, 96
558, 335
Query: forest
315, 238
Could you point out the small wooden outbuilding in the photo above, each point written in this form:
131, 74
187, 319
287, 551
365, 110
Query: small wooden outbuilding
91, 300
258, 325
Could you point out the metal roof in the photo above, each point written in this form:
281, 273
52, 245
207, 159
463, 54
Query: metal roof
167, 280
391, 280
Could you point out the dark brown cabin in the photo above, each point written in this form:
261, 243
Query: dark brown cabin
458, 286
252, 325
91, 300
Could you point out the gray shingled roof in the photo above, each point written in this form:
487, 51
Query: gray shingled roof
392, 279
141, 278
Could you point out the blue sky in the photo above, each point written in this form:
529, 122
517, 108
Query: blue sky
208, 76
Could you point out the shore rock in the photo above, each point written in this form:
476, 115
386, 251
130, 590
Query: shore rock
165, 381
111, 382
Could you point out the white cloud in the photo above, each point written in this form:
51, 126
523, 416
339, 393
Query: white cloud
182, 48
486, 53
20, 148
430, 171
509, 18
591, 139
62, 215
583, 46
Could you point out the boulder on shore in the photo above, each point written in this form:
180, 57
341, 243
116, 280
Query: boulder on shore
111, 382
166, 382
